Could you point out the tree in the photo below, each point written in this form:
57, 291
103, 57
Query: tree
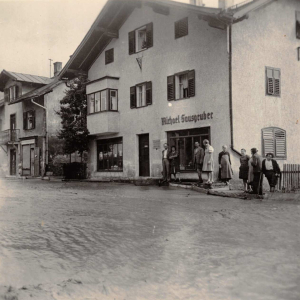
73, 113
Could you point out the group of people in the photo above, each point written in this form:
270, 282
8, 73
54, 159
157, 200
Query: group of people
203, 161
251, 170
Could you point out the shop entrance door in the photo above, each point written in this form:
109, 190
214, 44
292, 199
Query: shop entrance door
13, 164
144, 160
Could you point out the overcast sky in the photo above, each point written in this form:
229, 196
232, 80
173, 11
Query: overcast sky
32, 32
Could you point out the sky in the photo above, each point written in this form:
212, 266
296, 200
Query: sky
34, 31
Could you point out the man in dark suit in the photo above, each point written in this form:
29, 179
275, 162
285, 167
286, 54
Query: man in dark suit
257, 172
198, 160
166, 163
271, 170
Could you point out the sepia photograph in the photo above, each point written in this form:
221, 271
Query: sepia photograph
149, 149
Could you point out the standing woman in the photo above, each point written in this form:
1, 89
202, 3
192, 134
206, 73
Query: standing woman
250, 175
244, 168
208, 162
174, 164
225, 171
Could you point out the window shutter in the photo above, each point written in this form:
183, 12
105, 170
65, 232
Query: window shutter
171, 87
181, 28
149, 35
6, 95
132, 97
276, 82
191, 83
33, 119
131, 42
24, 120
17, 91
270, 82
149, 93
268, 141
297, 24
280, 143
109, 56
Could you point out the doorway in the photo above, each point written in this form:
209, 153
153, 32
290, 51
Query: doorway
144, 161
13, 162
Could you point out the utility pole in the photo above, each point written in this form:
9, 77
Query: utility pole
50, 65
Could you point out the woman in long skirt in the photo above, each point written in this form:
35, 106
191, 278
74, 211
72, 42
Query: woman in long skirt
208, 161
244, 168
225, 171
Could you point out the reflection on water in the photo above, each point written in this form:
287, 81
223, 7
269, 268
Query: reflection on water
104, 241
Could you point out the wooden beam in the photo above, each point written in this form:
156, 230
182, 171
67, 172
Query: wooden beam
77, 72
108, 32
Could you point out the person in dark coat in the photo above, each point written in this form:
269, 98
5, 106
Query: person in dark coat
198, 160
244, 168
174, 163
166, 163
225, 171
271, 170
257, 172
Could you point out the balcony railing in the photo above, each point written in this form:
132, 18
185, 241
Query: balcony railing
9, 136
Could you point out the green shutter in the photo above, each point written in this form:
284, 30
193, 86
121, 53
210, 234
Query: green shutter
149, 93
191, 83
149, 35
132, 97
171, 87
131, 42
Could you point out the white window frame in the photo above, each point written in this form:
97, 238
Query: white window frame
141, 95
101, 101
140, 41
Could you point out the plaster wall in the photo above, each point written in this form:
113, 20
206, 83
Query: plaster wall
204, 49
266, 39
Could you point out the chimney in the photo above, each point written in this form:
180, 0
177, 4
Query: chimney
57, 67
197, 2
225, 4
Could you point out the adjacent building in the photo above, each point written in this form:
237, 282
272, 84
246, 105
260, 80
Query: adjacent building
162, 71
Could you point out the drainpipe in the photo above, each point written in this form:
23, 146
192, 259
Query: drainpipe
46, 135
230, 88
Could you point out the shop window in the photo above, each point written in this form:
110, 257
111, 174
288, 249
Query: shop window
140, 39
181, 28
109, 56
274, 141
105, 100
141, 95
181, 85
273, 84
29, 120
298, 24
184, 142
110, 154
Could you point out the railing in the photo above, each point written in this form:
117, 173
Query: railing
9, 136
290, 177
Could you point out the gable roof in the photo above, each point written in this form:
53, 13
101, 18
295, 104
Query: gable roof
6, 75
115, 13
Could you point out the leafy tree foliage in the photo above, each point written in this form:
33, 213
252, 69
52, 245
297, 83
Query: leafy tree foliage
73, 113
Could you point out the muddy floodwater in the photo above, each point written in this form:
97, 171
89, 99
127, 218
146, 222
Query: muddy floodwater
79, 240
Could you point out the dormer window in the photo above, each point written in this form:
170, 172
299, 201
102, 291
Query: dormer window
12, 93
140, 39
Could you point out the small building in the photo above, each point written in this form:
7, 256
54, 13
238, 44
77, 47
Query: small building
167, 72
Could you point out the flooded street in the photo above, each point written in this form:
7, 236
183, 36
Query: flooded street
79, 240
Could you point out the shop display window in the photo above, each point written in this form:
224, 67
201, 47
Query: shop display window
110, 154
184, 141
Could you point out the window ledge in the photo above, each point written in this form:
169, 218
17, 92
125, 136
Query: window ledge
109, 171
103, 111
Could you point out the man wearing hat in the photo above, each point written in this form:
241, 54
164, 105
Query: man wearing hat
271, 170
257, 172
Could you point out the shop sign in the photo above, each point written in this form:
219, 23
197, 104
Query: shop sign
185, 118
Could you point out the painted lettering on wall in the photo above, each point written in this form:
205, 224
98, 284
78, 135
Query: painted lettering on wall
185, 118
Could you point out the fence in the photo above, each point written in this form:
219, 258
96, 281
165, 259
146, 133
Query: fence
290, 177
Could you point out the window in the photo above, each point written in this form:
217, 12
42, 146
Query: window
110, 155
141, 95
106, 100
12, 93
29, 120
184, 142
181, 85
273, 84
109, 56
298, 24
274, 141
181, 28
140, 39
